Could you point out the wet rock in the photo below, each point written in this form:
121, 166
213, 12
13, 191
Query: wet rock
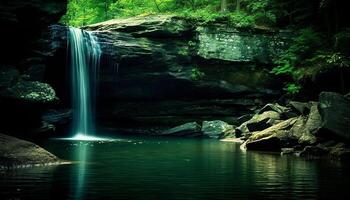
240, 120
16, 152
272, 138
258, 122
314, 152
335, 112
44, 130
287, 151
340, 152
271, 143
58, 117
307, 127
262, 121
234, 140
217, 129
301, 107
274, 107
192, 129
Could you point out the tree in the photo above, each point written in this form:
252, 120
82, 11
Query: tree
238, 5
223, 5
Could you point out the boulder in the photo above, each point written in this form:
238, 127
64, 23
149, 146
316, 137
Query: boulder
192, 129
217, 129
314, 152
15, 152
340, 152
274, 107
335, 112
314, 121
272, 138
287, 151
258, 122
303, 108
306, 127
271, 143
262, 121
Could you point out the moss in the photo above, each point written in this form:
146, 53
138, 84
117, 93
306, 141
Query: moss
32, 91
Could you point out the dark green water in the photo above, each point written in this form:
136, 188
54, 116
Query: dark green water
169, 168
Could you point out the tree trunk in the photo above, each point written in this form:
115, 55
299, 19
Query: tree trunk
238, 5
106, 10
157, 6
223, 5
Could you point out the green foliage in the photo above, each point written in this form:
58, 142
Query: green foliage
183, 52
294, 60
330, 59
241, 19
196, 74
83, 12
292, 88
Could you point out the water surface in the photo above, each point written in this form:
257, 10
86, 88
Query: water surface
170, 168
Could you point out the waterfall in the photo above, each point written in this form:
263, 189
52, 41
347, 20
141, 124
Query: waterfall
85, 55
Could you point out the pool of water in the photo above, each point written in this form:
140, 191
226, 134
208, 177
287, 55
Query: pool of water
168, 168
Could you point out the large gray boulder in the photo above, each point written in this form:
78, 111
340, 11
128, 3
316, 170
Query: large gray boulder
217, 129
272, 138
17, 153
335, 112
192, 129
258, 122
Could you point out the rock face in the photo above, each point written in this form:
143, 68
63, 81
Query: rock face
15, 152
162, 26
155, 71
217, 42
335, 111
23, 95
25, 22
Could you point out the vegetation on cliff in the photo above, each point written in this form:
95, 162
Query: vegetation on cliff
321, 31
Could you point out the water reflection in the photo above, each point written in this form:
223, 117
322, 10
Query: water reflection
81, 153
176, 169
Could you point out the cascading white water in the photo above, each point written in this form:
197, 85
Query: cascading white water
85, 53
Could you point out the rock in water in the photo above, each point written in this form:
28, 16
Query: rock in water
271, 139
192, 129
217, 129
258, 122
335, 112
15, 152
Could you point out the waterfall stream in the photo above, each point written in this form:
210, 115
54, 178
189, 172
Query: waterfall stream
85, 54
